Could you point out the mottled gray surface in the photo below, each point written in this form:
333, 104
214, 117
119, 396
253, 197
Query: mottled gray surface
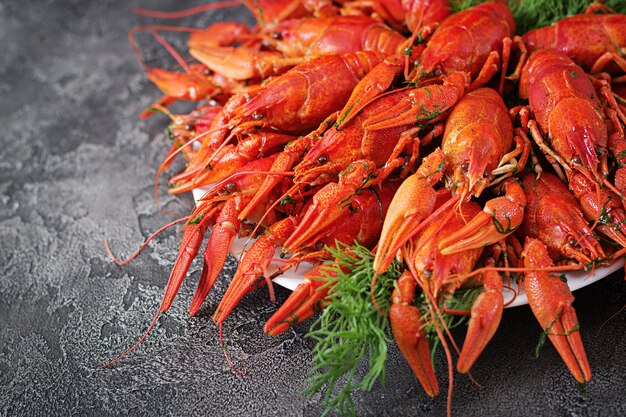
76, 166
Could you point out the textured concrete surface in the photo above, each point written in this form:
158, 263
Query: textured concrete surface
77, 166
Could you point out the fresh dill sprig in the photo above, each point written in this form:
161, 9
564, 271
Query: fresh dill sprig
533, 14
460, 5
351, 329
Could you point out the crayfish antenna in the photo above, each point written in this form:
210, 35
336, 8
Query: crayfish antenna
168, 160
190, 243
136, 345
144, 244
230, 362
157, 14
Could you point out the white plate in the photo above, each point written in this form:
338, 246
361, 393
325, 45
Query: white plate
291, 278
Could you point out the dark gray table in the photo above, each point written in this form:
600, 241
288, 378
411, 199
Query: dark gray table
77, 166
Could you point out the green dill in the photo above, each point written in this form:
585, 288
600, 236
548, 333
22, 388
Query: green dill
408, 50
287, 200
350, 329
605, 218
597, 262
460, 5
607, 241
500, 227
533, 14
460, 300
420, 37
427, 114
547, 332
619, 99
197, 219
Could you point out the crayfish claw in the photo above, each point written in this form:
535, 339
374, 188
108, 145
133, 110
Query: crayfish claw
254, 266
485, 318
500, 217
407, 324
306, 300
413, 202
551, 302
216, 252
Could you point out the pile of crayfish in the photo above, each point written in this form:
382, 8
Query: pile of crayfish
446, 141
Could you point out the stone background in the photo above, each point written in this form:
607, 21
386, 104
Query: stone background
77, 166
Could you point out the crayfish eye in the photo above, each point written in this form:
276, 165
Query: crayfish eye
231, 187
572, 242
485, 174
464, 166
576, 160
322, 159
428, 273
319, 246
207, 72
257, 116
278, 36
189, 127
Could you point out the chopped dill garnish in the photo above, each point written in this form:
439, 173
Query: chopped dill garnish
543, 337
197, 219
